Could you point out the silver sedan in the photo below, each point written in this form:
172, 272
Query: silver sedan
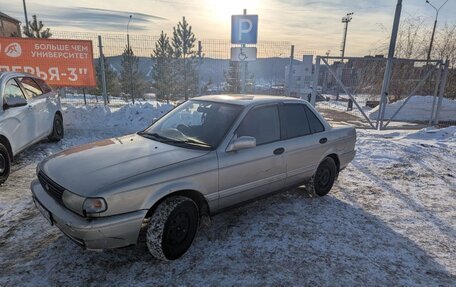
206, 155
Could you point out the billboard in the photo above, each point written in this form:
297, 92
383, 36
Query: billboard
61, 63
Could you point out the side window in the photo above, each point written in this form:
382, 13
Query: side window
261, 123
44, 87
32, 89
13, 94
296, 123
315, 124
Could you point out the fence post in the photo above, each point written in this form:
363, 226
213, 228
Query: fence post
389, 66
103, 76
442, 91
435, 94
313, 99
290, 71
84, 92
200, 48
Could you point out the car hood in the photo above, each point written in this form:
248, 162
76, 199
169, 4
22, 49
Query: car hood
85, 169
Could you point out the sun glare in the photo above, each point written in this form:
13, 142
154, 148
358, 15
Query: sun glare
223, 9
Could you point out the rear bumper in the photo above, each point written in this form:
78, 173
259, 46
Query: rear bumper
94, 233
346, 158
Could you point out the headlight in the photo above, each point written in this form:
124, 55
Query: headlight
94, 205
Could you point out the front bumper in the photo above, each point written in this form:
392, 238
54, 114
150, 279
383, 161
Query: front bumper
92, 233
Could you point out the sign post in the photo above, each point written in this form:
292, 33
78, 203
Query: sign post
244, 30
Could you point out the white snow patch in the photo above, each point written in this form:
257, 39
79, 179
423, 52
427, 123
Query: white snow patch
418, 108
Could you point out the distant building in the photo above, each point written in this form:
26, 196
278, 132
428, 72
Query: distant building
301, 76
9, 27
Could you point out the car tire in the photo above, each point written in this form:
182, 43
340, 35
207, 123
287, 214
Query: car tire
5, 163
57, 129
323, 179
172, 228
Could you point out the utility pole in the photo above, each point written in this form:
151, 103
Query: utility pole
26, 17
346, 19
389, 66
433, 30
128, 35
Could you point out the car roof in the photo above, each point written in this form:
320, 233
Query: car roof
14, 75
246, 99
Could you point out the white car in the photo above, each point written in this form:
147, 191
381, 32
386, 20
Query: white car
30, 112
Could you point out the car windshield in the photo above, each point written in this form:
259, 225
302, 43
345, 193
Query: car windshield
195, 123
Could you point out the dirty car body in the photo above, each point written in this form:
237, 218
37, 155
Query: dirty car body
217, 150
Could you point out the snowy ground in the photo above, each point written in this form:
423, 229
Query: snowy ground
389, 220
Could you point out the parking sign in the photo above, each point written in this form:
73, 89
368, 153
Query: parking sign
244, 29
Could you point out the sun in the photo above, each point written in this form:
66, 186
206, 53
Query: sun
223, 9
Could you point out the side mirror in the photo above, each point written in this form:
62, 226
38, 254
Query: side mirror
13, 105
243, 142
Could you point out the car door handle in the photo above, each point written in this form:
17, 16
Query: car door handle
323, 140
279, 150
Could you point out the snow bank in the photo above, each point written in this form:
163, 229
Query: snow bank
418, 108
435, 135
129, 117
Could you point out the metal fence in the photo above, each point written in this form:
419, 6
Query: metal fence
348, 91
211, 60
344, 90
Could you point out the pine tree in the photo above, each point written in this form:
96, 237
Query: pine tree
131, 80
162, 72
233, 78
35, 28
183, 44
112, 80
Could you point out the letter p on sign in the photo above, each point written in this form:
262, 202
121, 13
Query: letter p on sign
244, 29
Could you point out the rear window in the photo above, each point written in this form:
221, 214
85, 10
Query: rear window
44, 87
32, 89
315, 124
296, 123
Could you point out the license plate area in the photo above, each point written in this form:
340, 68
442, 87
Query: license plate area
43, 211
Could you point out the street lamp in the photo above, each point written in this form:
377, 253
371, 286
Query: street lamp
435, 25
26, 18
128, 35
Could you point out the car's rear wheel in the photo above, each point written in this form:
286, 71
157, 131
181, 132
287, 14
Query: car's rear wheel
323, 179
172, 228
57, 130
5, 163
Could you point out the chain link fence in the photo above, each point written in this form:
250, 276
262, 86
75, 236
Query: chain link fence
349, 91
212, 72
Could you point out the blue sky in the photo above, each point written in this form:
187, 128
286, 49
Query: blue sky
310, 25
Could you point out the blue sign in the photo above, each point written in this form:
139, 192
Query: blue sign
244, 29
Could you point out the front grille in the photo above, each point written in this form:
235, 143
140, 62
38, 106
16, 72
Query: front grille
52, 188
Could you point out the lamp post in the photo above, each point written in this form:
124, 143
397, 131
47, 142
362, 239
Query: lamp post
435, 25
346, 19
26, 18
128, 35
130, 62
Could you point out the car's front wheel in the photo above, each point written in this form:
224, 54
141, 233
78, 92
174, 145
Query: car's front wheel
323, 179
57, 129
5, 163
172, 228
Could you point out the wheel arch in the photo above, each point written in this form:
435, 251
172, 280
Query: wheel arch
335, 157
4, 140
194, 195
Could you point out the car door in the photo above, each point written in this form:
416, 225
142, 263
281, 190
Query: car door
303, 131
38, 104
249, 173
18, 120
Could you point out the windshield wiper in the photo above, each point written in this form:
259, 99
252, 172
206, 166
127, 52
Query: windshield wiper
160, 138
